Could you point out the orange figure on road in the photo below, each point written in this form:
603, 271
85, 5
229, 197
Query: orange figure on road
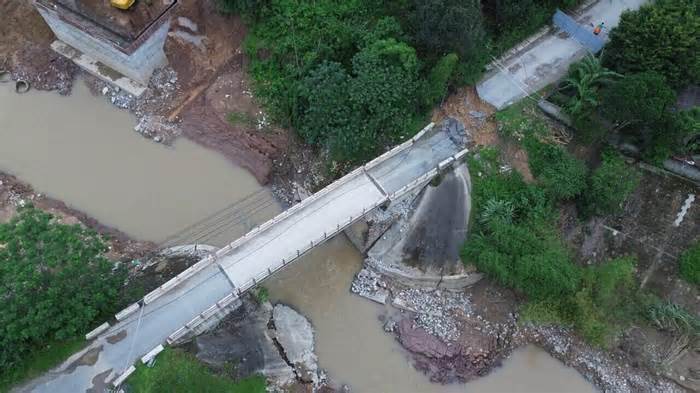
599, 28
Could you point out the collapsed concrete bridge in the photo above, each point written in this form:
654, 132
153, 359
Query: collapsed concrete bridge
196, 298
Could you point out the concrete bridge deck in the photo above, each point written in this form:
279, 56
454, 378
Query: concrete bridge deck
182, 307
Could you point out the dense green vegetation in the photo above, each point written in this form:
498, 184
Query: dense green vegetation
178, 371
651, 53
663, 36
40, 360
55, 282
516, 242
585, 79
690, 264
354, 77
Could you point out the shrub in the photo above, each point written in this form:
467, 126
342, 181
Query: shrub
674, 318
262, 294
689, 264
439, 80
55, 281
662, 36
560, 173
605, 300
609, 186
521, 249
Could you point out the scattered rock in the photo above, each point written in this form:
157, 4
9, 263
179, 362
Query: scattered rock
436, 311
157, 128
369, 284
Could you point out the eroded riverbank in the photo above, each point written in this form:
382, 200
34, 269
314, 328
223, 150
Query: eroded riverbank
82, 151
355, 350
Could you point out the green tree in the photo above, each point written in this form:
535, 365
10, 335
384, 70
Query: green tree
585, 79
383, 97
326, 109
444, 26
609, 186
55, 281
439, 80
639, 98
689, 264
355, 116
662, 36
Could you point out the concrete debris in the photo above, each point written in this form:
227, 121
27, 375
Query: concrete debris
295, 335
245, 339
157, 128
369, 284
684, 209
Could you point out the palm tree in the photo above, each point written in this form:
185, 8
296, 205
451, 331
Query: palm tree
585, 78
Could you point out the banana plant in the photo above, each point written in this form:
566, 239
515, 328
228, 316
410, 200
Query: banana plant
585, 79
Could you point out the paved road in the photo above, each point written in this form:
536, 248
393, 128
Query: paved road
124, 343
548, 59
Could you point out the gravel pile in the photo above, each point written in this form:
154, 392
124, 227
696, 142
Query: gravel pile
595, 365
435, 310
161, 89
370, 285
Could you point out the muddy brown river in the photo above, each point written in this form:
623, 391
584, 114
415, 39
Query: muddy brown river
83, 151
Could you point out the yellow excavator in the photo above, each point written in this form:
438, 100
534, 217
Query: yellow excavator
122, 4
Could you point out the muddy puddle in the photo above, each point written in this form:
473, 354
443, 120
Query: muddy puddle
83, 151
355, 350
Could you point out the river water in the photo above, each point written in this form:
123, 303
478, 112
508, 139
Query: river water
83, 151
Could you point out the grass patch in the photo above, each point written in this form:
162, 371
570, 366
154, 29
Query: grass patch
241, 118
177, 371
520, 120
38, 362
690, 264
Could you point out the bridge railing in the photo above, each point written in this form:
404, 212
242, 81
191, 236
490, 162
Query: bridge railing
261, 276
191, 271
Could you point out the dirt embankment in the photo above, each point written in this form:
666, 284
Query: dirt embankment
14, 194
25, 51
194, 96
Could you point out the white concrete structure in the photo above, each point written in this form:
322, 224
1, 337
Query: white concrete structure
120, 47
209, 289
545, 59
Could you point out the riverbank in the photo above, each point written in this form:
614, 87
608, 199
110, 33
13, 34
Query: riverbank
460, 336
202, 95
14, 194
